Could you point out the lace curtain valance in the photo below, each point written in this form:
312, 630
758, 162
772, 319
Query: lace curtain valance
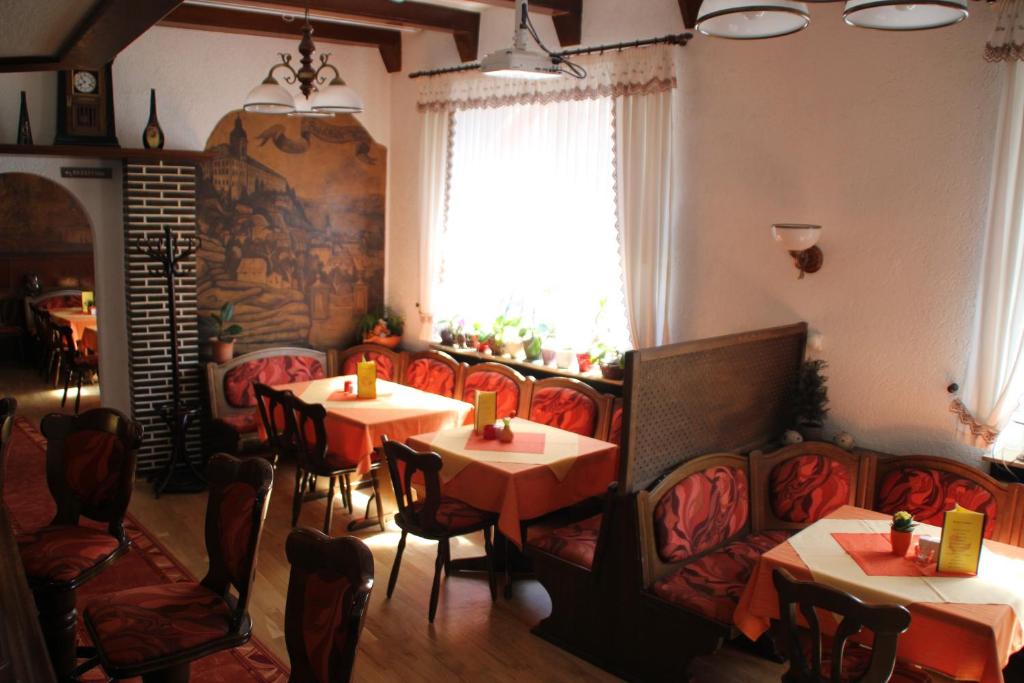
1007, 41
634, 71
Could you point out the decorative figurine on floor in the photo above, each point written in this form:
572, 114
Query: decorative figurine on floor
153, 135
24, 127
506, 435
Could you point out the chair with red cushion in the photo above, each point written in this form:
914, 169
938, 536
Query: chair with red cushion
389, 363
328, 596
795, 486
834, 660
90, 470
615, 423
514, 390
432, 371
235, 421
432, 515
927, 486
315, 459
571, 405
157, 631
74, 365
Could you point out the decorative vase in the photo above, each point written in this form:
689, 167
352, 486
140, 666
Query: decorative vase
531, 347
506, 435
900, 541
460, 340
24, 127
583, 360
563, 359
548, 356
152, 135
222, 351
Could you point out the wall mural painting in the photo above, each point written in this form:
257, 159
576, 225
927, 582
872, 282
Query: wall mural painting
291, 213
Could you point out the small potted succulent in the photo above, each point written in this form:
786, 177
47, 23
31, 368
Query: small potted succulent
901, 532
612, 364
222, 332
382, 326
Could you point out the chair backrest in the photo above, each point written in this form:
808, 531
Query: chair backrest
328, 595
514, 391
310, 425
694, 509
569, 404
927, 486
90, 465
796, 486
389, 363
403, 465
37, 319
887, 622
277, 418
432, 371
66, 341
235, 512
8, 409
58, 298
230, 384
615, 423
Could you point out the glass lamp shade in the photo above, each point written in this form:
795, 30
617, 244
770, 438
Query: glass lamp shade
337, 98
269, 97
796, 236
302, 109
516, 63
892, 15
751, 19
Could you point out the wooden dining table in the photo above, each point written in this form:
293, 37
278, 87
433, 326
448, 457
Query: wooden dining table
78, 320
965, 627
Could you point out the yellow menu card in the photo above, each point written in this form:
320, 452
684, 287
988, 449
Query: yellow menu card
366, 379
486, 405
87, 299
960, 548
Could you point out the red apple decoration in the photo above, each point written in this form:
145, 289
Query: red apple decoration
490, 433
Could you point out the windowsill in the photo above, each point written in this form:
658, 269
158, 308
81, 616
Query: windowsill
589, 377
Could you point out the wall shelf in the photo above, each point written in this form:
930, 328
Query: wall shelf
102, 152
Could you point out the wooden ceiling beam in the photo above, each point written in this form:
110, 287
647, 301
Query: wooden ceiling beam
689, 9
567, 16
108, 29
203, 18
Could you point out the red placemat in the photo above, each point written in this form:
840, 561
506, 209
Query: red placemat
529, 442
873, 553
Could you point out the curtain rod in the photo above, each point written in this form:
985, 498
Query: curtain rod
680, 39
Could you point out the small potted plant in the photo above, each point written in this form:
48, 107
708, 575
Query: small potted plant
810, 401
222, 332
382, 326
612, 364
447, 333
531, 345
901, 532
90, 305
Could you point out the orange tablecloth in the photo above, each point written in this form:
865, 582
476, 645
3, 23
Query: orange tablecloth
90, 341
76, 319
354, 426
966, 642
523, 485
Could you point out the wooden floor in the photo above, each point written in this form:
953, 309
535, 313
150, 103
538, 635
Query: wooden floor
472, 639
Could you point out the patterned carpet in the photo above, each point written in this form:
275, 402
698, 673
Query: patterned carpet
146, 563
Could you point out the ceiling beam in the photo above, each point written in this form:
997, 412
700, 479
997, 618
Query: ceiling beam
388, 42
689, 9
567, 16
108, 29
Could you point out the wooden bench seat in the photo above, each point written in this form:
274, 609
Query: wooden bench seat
575, 543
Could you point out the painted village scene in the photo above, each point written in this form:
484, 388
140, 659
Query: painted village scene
291, 216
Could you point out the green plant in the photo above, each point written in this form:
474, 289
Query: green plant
903, 521
810, 402
503, 323
89, 303
607, 355
219, 325
369, 322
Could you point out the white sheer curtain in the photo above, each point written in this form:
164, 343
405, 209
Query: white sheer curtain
995, 381
433, 182
531, 220
644, 171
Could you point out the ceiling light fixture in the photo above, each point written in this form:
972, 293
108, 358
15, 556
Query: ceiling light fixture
270, 97
519, 61
751, 19
900, 15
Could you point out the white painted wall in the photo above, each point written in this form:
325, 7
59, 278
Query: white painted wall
883, 138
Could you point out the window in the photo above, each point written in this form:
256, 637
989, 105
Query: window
531, 222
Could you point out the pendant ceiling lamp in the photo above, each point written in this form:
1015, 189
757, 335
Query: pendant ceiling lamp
314, 99
751, 19
893, 15
519, 61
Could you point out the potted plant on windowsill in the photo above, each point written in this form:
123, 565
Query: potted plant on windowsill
901, 532
382, 326
611, 361
222, 332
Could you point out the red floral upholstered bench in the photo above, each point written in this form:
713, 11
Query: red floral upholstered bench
927, 486
343, 362
233, 400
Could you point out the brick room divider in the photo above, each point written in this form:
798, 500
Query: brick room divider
156, 193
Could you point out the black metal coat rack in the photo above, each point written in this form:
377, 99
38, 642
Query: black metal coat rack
179, 474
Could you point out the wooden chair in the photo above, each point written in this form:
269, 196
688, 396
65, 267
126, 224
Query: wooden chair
328, 596
343, 362
795, 486
315, 458
90, 471
514, 390
842, 663
569, 404
433, 516
432, 371
615, 423
927, 486
74, 365
8, 409
157, 631
278, 423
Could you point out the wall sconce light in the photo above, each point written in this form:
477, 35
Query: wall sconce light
800, 240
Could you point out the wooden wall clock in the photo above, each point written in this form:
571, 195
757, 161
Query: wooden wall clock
85, 107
